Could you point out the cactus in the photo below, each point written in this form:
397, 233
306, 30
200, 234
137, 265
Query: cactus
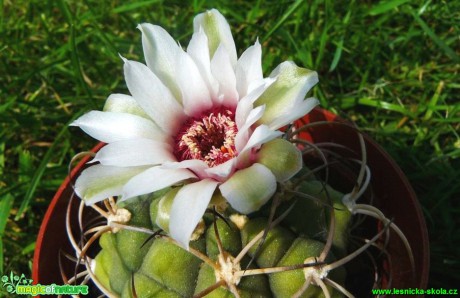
294, 246
201, 193
231, 254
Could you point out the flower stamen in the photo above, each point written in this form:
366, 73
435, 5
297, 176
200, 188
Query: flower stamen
209, 137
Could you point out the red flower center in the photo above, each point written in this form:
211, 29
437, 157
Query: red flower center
209, 137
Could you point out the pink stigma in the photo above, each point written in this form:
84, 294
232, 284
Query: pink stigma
209, 137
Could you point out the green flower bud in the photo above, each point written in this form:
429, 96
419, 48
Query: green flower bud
281, 157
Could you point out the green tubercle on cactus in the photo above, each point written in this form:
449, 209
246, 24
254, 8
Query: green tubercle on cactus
288, 283
329, 196
275, 246
171, 266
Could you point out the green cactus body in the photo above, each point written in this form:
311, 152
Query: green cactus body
132, 265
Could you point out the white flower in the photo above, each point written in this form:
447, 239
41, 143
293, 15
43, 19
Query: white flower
201, 120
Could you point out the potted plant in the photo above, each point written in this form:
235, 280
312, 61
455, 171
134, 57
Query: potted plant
214, 182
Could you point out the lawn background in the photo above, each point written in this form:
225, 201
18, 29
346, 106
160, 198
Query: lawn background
391, 66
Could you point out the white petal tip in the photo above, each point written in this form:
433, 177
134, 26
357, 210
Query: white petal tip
184, 245
142, 26
124, 197
123, 58
314, 77
314, 100
90, 202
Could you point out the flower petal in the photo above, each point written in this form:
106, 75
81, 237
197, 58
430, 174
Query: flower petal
262, 134
122, 103
294, 113
188, 208
160, 51
199, 51
195, 93
248, 189
110, 127
218, 32
197, 166
225, 75
243, 132
245, 105
222, 171
99, 182
154, 98
154, 179
249, 68
137, 152
287, 93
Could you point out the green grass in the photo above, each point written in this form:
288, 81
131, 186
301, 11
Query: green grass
391, 66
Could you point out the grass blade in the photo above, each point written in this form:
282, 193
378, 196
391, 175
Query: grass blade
39, 172
385, 6
337, 55
283, 18
74, 51
372, 102
6, 203
438, 41
133, 6
2, 157
434, 101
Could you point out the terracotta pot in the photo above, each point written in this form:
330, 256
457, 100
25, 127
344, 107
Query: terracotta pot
395, 197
